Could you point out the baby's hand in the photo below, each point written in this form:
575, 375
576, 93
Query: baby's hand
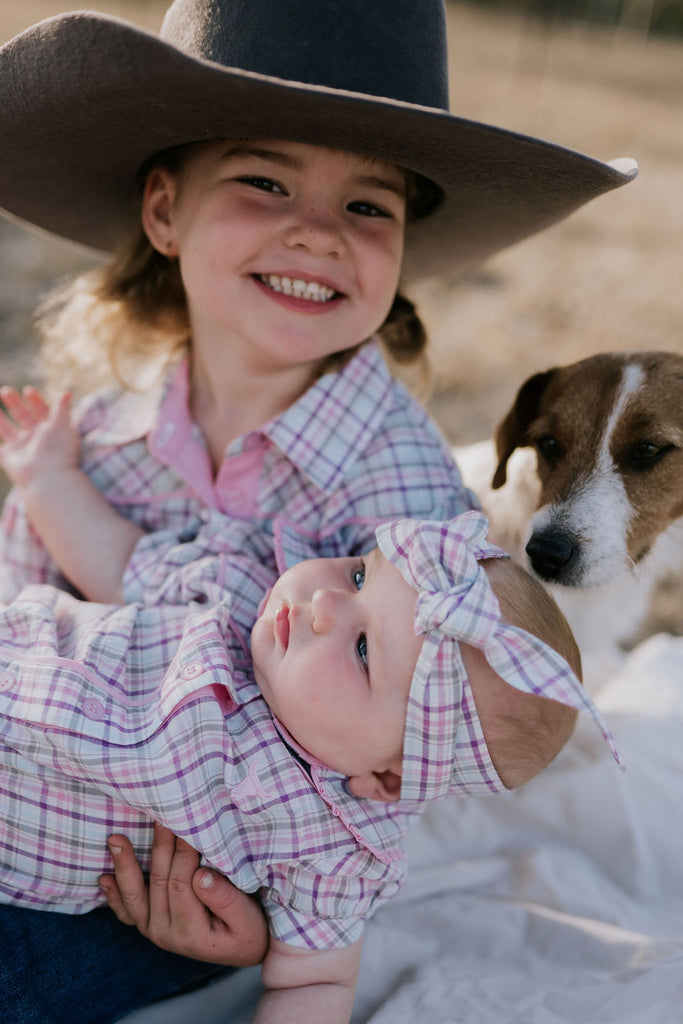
37, 442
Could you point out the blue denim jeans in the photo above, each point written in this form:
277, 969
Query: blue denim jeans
84, 969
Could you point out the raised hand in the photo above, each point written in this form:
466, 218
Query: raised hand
37, 442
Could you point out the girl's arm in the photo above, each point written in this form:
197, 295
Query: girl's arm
89, 541
303, 986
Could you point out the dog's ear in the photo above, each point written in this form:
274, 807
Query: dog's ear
511, 431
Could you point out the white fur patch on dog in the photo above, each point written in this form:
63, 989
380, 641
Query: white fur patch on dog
598, 512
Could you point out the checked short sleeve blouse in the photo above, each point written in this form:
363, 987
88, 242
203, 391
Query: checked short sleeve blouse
354, 450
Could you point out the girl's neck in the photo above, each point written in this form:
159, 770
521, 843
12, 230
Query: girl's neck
229, 400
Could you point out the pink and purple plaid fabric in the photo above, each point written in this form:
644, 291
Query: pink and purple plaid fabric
112, 717
353, 452
444, 748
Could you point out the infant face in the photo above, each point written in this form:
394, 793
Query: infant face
334, 653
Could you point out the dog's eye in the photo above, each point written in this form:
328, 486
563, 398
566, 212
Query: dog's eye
645, 454
549, 448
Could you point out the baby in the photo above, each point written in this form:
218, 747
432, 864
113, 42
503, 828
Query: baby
295, 759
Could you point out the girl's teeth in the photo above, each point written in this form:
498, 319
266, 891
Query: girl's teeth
300, 289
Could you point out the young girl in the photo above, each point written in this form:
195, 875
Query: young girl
285, 154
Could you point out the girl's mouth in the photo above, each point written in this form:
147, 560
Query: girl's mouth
298, 288
281, 625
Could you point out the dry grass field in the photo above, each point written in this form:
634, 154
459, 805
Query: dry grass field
607, 278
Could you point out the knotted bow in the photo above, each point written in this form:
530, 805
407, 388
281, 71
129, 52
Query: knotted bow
444, 747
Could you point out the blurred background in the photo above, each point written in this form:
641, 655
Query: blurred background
601, 76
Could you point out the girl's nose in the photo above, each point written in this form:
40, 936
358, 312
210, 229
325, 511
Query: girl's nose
326, 608
317, 230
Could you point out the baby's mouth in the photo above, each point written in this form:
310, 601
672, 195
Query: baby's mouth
282, 625
314, 291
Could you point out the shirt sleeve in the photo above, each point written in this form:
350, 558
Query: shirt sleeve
24, 558
324, 904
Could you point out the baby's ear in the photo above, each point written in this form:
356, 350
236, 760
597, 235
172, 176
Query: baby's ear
384, 786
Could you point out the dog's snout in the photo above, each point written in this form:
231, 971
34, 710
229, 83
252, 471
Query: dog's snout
551, 554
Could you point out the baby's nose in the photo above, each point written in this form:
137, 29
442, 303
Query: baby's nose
325, 608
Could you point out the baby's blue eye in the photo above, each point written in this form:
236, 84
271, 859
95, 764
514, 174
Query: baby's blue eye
362, 648
358, 576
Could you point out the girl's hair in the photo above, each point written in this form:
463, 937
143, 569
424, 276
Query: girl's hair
130, 316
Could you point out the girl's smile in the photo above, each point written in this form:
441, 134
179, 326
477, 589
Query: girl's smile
297, 288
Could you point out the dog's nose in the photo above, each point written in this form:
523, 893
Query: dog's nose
551, 554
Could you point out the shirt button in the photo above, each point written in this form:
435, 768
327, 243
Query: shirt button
6, 682
93, 708
192, 670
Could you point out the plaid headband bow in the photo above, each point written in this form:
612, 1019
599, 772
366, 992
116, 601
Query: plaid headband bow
444, 749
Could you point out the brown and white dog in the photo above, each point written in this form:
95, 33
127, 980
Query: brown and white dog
584, 484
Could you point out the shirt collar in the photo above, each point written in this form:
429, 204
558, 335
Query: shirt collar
133, 415
379, 827
322, 433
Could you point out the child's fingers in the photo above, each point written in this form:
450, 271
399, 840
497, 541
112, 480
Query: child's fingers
127, 892
160, 871
19, 408
184, 864
110, 888
37, 403
239, 932
8, 430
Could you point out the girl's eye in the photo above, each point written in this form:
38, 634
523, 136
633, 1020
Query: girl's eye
362, 649
263, 184
367, 209
358, 576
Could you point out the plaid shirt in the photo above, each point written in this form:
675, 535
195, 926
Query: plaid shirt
355, 450
111, 717
352, 452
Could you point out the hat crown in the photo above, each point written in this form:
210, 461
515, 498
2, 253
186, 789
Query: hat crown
390, 48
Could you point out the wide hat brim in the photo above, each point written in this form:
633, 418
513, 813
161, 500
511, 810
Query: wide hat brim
85, 99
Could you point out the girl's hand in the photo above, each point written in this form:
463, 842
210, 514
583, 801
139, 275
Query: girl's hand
179, 911
37, 442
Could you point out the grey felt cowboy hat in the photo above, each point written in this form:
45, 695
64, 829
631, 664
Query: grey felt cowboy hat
85, 99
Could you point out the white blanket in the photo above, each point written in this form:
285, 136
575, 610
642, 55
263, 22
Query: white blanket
561, 903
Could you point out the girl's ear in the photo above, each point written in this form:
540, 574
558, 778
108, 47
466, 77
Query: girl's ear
157, 211
384, 786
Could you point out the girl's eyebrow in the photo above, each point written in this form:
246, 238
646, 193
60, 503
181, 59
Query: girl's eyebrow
250, 151
374, 181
